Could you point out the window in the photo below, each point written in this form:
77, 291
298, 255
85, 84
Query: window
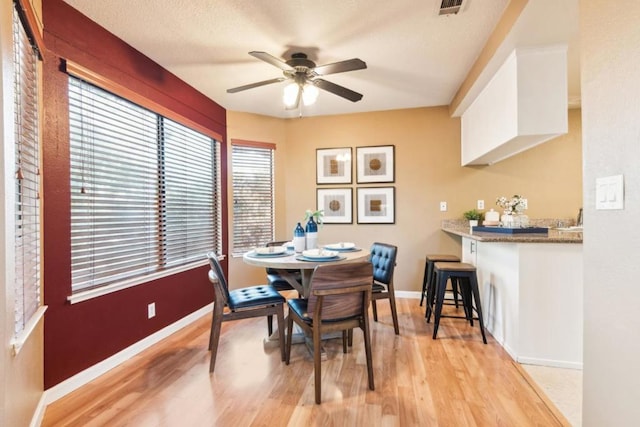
27, 180
145, 190
253, 205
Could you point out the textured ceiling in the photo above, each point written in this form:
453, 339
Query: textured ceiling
414, 57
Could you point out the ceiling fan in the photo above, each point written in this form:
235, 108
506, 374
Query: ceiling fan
304, 73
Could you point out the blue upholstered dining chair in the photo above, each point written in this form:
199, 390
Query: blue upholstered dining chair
383, 258
243, 303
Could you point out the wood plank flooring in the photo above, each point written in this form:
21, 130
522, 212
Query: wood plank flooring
455, 380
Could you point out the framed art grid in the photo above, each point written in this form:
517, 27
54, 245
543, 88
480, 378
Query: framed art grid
337, 205
333, 165
376, 205
375, 164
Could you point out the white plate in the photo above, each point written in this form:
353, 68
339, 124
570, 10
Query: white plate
340, 246
270, 250
319, 254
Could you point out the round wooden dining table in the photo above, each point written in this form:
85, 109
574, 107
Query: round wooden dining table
294, 261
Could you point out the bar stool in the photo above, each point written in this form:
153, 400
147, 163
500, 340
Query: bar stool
429, 277
465, 275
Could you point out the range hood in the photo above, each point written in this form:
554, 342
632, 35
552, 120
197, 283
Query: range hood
523, 105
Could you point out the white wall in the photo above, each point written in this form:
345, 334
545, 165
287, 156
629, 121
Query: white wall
610, 59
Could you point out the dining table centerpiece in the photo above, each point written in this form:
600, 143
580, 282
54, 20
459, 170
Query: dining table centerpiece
313, 220
513, 211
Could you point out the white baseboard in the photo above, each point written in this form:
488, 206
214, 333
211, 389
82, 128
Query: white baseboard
408, 294
550, 363
38, 414
91, 373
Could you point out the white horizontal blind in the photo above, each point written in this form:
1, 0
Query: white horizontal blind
190, 220
142, 190
27, 184
253, 205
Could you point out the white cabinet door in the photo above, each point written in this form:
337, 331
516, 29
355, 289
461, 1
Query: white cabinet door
469, 250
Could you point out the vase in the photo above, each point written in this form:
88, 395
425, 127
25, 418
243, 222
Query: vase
472, 223
311, 234
299, 240
507, 220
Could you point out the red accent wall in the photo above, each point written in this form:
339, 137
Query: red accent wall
80, 335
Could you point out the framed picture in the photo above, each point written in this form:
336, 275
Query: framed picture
336, 204
375, 164
333, 165
376, 205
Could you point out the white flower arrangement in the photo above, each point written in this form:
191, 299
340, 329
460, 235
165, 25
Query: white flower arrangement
513, 205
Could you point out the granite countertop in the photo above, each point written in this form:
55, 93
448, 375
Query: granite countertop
461, 228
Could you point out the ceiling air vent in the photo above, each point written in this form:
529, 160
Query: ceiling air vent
449, 7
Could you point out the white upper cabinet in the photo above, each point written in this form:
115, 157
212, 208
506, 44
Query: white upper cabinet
523, 105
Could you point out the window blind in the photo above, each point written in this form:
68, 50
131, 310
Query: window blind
190, 189
253, 204
144, 190
27, 177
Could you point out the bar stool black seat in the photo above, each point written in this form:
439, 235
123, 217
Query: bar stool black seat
465, 275
429, 276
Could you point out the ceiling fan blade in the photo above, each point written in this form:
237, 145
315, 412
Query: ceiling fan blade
257, 84
264, 56
340, 67
337, 90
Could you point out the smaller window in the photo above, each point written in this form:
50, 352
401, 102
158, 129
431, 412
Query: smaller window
253, 204
27, 177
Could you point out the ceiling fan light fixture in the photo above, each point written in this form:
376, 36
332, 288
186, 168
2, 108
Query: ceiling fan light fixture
309, 94
290, 94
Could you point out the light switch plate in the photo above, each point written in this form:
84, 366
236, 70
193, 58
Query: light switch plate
610, 192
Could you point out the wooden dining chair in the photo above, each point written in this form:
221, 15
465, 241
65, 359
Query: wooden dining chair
338, 301
243, 303
383, 257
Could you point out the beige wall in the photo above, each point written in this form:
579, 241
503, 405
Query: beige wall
427, 149
610, 58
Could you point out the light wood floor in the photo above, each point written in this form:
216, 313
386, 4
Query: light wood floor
452, 381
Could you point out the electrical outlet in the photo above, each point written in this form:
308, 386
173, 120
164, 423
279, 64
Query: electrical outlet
443, 206
480, 204
151, 310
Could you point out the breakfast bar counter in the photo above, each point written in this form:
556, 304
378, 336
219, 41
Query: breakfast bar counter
531, 289
554, 235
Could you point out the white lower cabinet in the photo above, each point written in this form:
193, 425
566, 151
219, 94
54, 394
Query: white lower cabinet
531, 297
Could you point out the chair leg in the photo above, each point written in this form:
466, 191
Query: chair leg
289, 333
344, 341
424, 282
367, 350
269, 324
214, 338
441, 283
394, 313
350, 337
375, 310
317, 364
280, 320
454, 290
476, 296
